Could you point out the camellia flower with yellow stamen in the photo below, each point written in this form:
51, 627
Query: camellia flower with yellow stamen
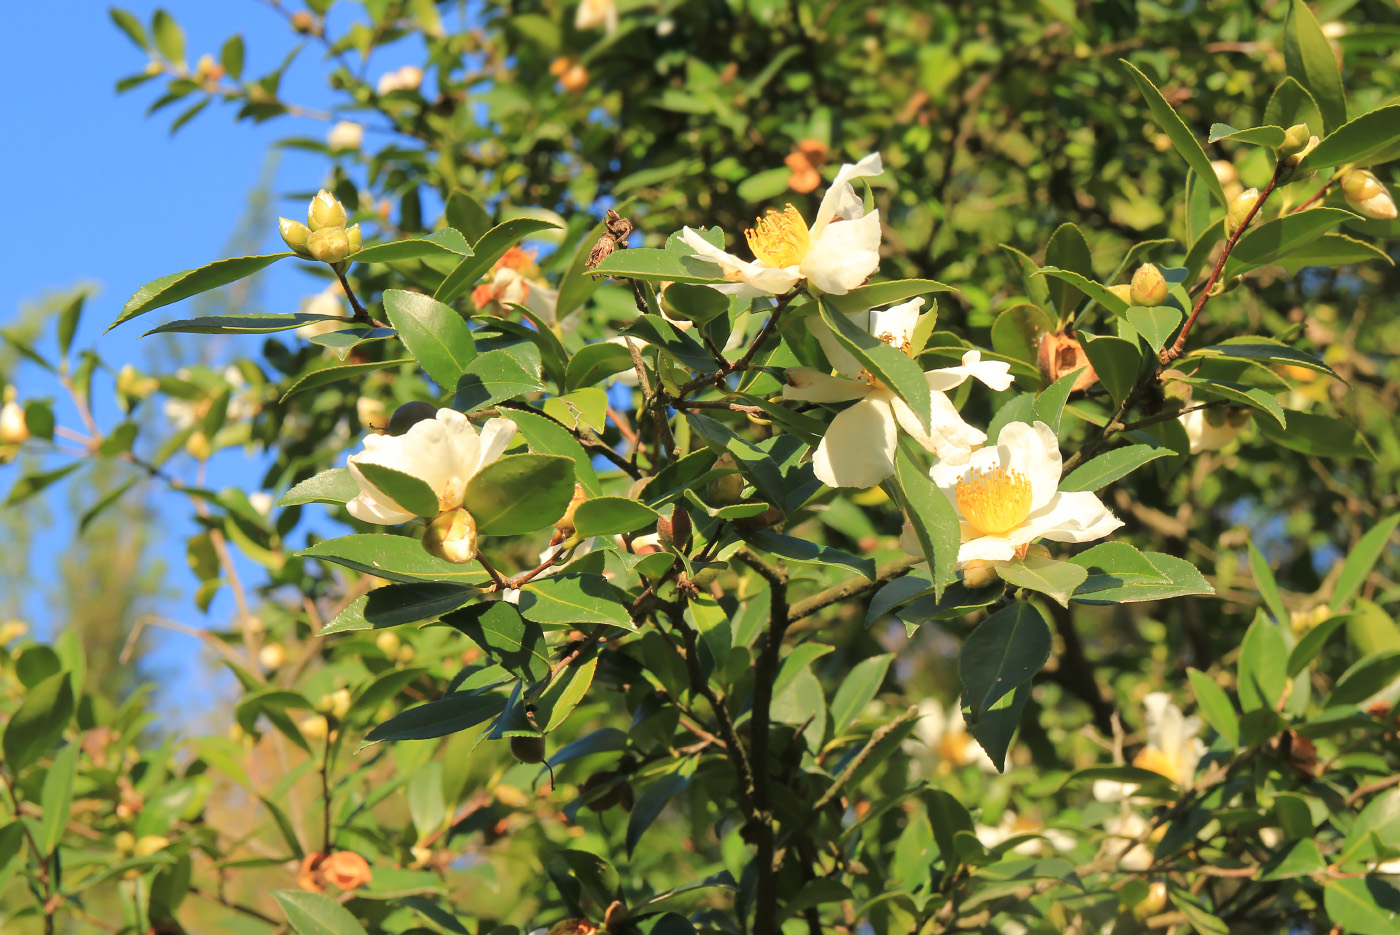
515, 281
1007, 496
1174, 749
941, 742
837, 253
444, 452
858, 449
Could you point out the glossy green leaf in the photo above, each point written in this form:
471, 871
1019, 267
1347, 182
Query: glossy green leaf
520, 493
39, 721
513, 642
486, 251
398, 558
252, 323
545, 436
1117, 363
858, 687
649, 805
467, 215
323, 373
1361, 560
655, 265
335, 485
606, 516
493, 377
1176, 130
1315, 433
1309, 59
458, 711
1362, 905
1269, 137
1273, 240
1156, 325
881, 294
1086, 284
411, 493
889, 365
1005, 650
445, 242
574, 598
170, 289
397, 604
1307, 648
1215, 706
1068, 250
1120, 574
316, 914
1263, 666
434, 334
1055, 579
1358, 141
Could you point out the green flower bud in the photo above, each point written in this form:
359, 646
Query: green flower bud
1123, 291
294, 235
452, 537
1295, 140
329, 244
1367, 196
726, 490
352, 234
1240, 210
325, 211
1149, 288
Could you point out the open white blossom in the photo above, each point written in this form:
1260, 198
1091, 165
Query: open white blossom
941, 741
1174, 747
837, 253
444, 452
1007, 496
858, 448
592, 14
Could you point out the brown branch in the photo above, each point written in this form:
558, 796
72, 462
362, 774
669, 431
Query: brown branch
897, 568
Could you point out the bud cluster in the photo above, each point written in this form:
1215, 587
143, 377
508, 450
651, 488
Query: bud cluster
324, 236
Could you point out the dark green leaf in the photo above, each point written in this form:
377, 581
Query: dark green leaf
650, 803
38, 722
398, 558
1314, 433
520, 493
411, 493
1110, 466
512, 642
170, 289
445, 242
606, 516
1120, 574
574, 598
889, 365
325, 372
1215, 706
251, 323
1117, 363
1047, 576
493, 377
456, 712
1176, 130
396, 604
1263, 666
1005, 650
1362, 905
1361, 560
654, 265
1276, 239
31, 484
858, 687
1357, 141
1309, 59
129, 25
1068, 250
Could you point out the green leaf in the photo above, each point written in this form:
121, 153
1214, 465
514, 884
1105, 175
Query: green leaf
1307, 648
39, 721
889, 365
576, 286
1018, 331
455, 712
68, 322
512, 642
574, 598
1309, 59
486, 251
520, 493
1120, 574
129, 25
933, 518
1068, 250
397, 604
656, 265
606, 516
1254, 348
336, 485
411, 493
880, 294
1117, 362
1085, 284
1333, 250
1263, 666
564, 693
1176, 130
1269, 137
1362, 906
493, 377
594, 362
31, 484
251, 323
170, 38
996, 728
1037, 573
796, 549
1357, 141
316, 914
1276, 239
1005, 650
1367, 677
445, 242
170, 289
398, 558
433, 333
1215, 706
56, 797
1251, 396
1149, 783
650, 803
858, 687
1290, 104
322, 373
1110, 466
1050, 402
1361, 560
1266, 585
548, 437
1155, 324
466, 215
231, 56
1313, 433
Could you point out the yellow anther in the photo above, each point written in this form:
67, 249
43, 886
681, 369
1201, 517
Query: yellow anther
995, 501
779, 238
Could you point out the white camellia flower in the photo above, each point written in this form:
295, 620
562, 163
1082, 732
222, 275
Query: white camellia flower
837, 253
407, 78
1007, 496
1174, 748
858, 448
1209, 429
594, 13
345, 135
444, 452
941, 741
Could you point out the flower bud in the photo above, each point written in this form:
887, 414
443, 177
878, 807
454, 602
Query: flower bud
565, 523
405, 655
528, 749
336, 704
14, 428
294, 235
273, 656
979, 573
329, 245
727, 489
304, 23
674, 530
1153, 903
388, 643
1149, 288
314, 727
452, 537
12, 630
124, 842
352, 234
150, 844
1365, 193
198, 447
1123, 291
1297, 141
1240, 210
345, 135
325, 211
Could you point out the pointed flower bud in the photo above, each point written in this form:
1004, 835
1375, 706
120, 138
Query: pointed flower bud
352, 234
329, 245
294, 235
675, 530
452, 537
1367, 196
1123, 291
1240, 210
1149, 288
14, 429
1295, 139
325, 211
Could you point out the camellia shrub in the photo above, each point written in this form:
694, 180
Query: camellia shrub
757, 467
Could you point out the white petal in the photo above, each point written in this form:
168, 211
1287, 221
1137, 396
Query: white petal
496, 436
841, 359
986, 548
844, 255
1070, 517
376, 508
897, 321
948, 435
807, 384
858, 450
1035, 452
840, 199
994, 373
746, 279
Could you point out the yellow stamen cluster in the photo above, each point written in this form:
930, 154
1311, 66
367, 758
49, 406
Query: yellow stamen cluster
895, 341
779, 238
1158, 761
995, 501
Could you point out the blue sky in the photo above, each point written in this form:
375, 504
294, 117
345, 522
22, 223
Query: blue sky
100, 193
